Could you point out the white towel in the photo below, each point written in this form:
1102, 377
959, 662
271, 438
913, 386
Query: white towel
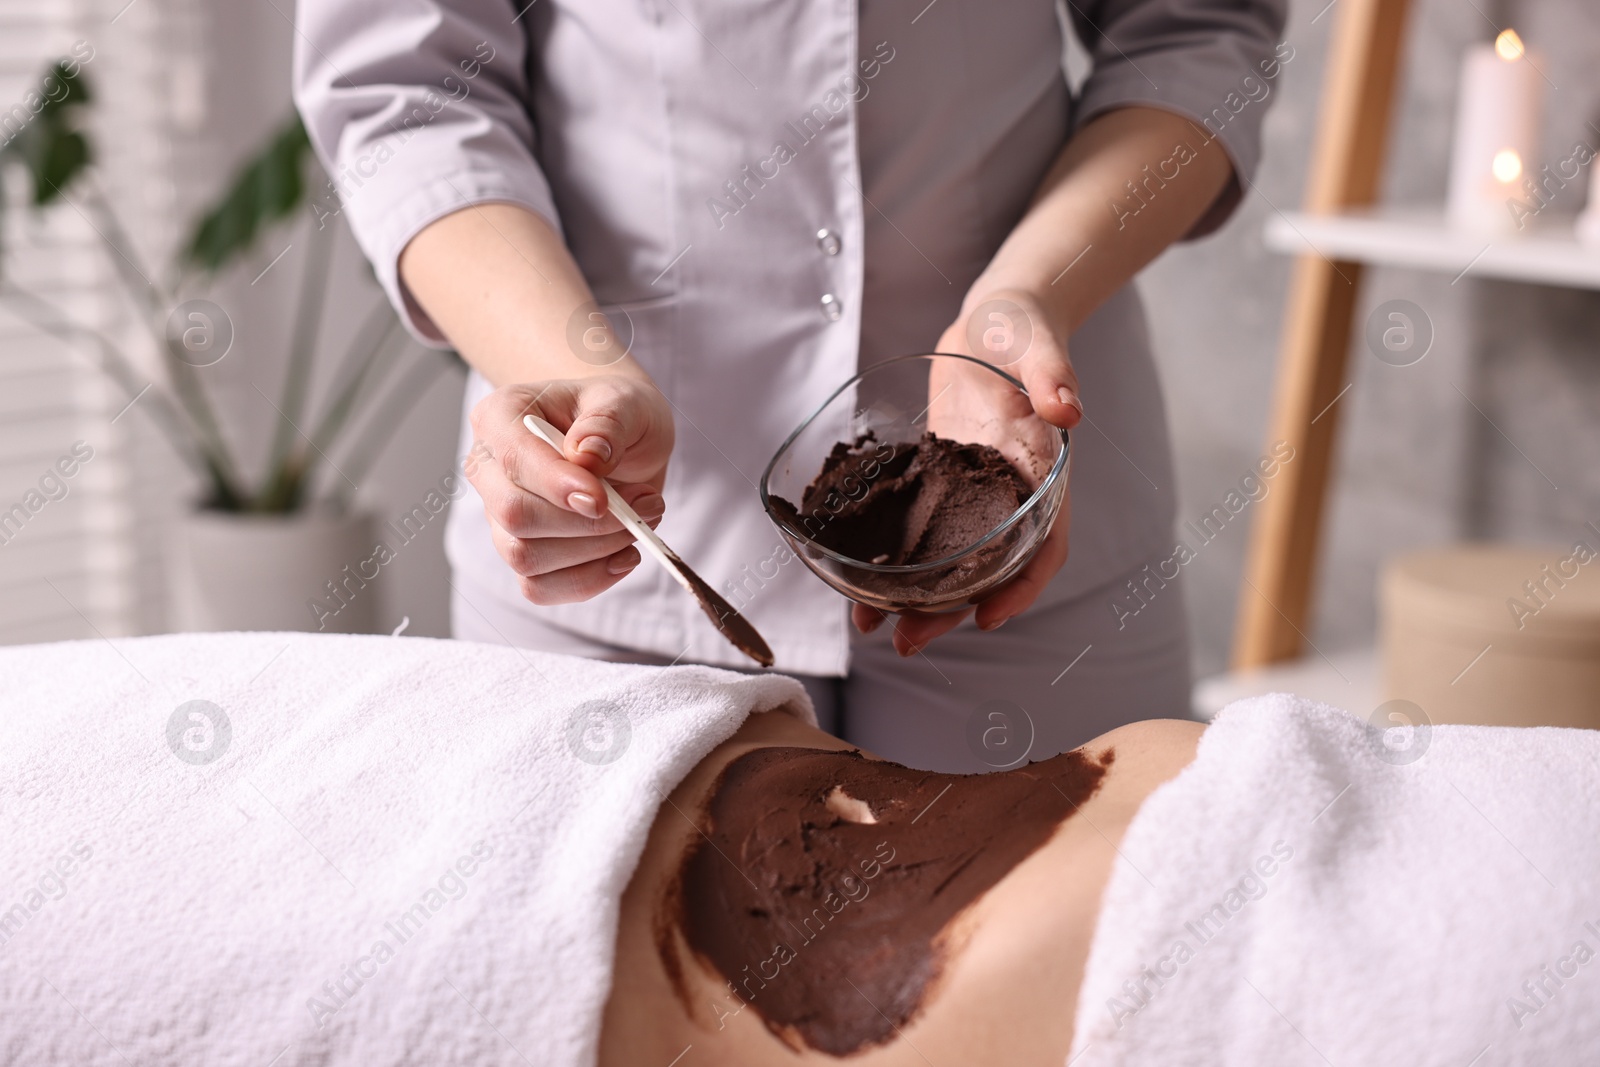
476, 810
1294, 898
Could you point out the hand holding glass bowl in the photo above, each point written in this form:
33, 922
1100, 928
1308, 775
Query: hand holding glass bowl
964, 399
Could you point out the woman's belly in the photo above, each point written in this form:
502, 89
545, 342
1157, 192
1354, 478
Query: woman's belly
902, 918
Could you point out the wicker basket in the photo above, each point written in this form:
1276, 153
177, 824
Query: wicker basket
1495, 634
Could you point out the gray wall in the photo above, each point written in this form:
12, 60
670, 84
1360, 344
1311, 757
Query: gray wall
1416, 464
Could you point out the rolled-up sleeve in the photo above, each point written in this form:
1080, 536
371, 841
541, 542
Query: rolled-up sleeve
1215, 62
417, 108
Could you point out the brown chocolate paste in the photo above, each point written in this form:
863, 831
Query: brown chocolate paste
735, 627
825, 882
908, 504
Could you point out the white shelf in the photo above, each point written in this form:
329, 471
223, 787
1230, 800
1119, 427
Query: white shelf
1548, 254
1346, 680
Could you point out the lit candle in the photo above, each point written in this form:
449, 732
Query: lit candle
1497, 135
1589, 221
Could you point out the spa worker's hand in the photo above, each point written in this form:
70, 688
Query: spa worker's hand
1011, 330
498, 281
547, 509
1070, 252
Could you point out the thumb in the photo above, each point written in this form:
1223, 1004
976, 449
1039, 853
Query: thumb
605, 419
1052, 384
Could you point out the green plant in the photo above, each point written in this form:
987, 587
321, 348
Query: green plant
56, 152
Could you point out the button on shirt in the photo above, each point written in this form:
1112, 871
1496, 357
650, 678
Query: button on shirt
722, 171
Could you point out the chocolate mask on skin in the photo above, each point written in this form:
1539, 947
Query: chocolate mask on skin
826, 880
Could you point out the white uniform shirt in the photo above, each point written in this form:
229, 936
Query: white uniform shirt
776, 192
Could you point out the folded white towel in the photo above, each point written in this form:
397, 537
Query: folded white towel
1295, 898
392, 851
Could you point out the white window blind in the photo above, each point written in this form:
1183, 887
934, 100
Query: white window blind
86, 491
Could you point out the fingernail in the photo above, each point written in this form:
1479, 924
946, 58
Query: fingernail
1069, 398
872, 624
584, 505
650, 506
623, 561
595, 446
986, 626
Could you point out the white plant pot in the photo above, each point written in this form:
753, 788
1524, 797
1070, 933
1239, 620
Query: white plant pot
271, 572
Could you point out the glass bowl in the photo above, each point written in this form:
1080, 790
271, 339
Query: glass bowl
889, 405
